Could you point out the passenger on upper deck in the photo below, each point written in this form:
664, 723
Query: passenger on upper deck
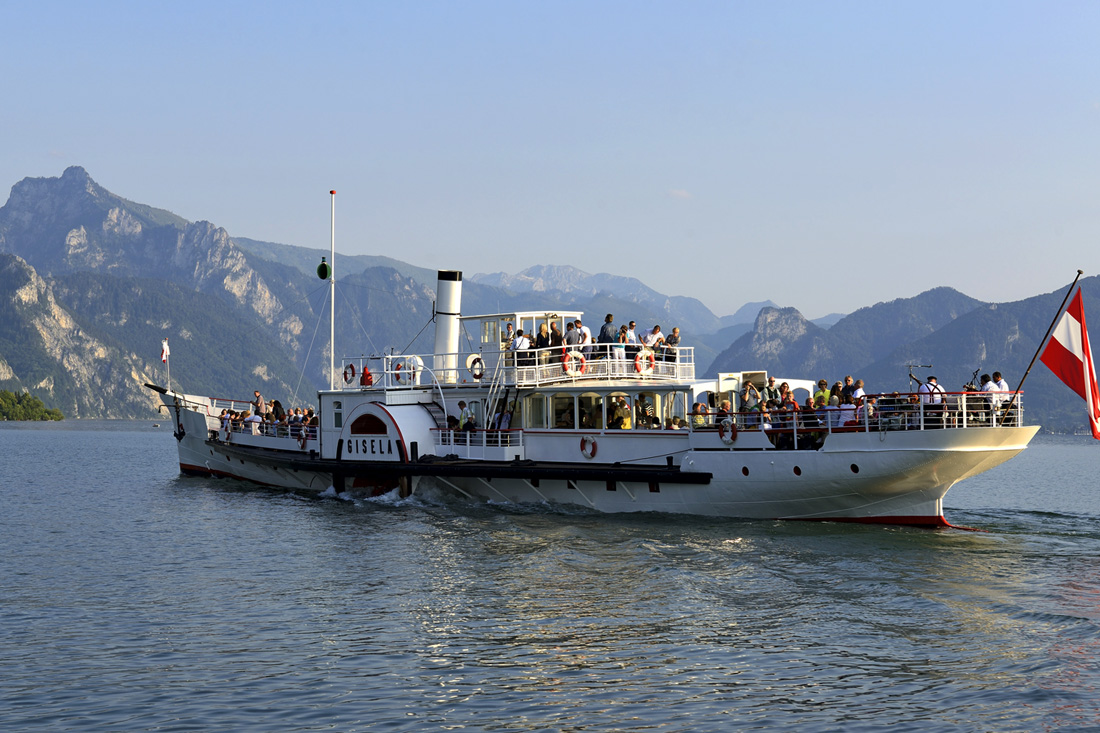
750, 397
572, 336
259, 403
931, 394
866, 410
506, 341
608, 335
586, 338
847, 411
555, 335
618, 350
520, 343
672, 344
857, 389
632, 345
835, 394
653, 338
771, 392
998, 389
849, 386
542, 342
253, 421
822, 390
787, 400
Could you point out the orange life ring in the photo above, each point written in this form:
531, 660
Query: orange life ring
588, 446
349, 374
397, 375
645, 362
727, 431
574, 364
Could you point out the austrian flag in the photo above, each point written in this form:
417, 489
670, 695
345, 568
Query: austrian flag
1070, 358
164, 351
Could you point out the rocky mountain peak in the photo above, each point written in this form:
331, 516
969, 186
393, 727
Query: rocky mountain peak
775, 329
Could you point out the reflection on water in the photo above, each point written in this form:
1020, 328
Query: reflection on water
135, 599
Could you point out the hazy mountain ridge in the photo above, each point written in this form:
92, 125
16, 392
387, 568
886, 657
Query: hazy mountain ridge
573, 285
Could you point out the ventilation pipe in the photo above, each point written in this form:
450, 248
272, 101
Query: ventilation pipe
448, 307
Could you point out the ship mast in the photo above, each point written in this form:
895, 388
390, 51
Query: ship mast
332, 297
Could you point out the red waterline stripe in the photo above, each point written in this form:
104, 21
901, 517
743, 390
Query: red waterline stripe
909, 520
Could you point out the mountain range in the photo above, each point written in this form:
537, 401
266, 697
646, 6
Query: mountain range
91, 282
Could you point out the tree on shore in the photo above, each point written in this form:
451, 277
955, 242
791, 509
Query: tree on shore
25, 406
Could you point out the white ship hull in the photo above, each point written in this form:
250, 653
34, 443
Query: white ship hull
886, 477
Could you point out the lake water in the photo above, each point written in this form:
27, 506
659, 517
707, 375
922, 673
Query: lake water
136, 599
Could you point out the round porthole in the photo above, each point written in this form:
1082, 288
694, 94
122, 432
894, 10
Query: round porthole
797, 471
744, 470
855, 468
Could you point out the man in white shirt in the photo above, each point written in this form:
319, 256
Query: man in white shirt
931, 394
997, 391
653, 337
586, 338
520, 345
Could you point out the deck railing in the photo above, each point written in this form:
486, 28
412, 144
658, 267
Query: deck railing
875, 413
484, 444
526, 368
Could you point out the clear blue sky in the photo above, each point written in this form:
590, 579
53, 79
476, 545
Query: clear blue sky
825, 156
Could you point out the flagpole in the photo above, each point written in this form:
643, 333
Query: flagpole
1042, 343
166, 357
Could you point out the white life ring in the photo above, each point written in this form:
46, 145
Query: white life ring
413, 365
476, 367
727, 431
573, 364
349, 374
644, 362
398, 375
588, 446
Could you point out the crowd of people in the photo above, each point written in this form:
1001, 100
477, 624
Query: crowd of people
270, 419
847, 404
623, 342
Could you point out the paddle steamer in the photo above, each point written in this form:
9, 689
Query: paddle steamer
583, 427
